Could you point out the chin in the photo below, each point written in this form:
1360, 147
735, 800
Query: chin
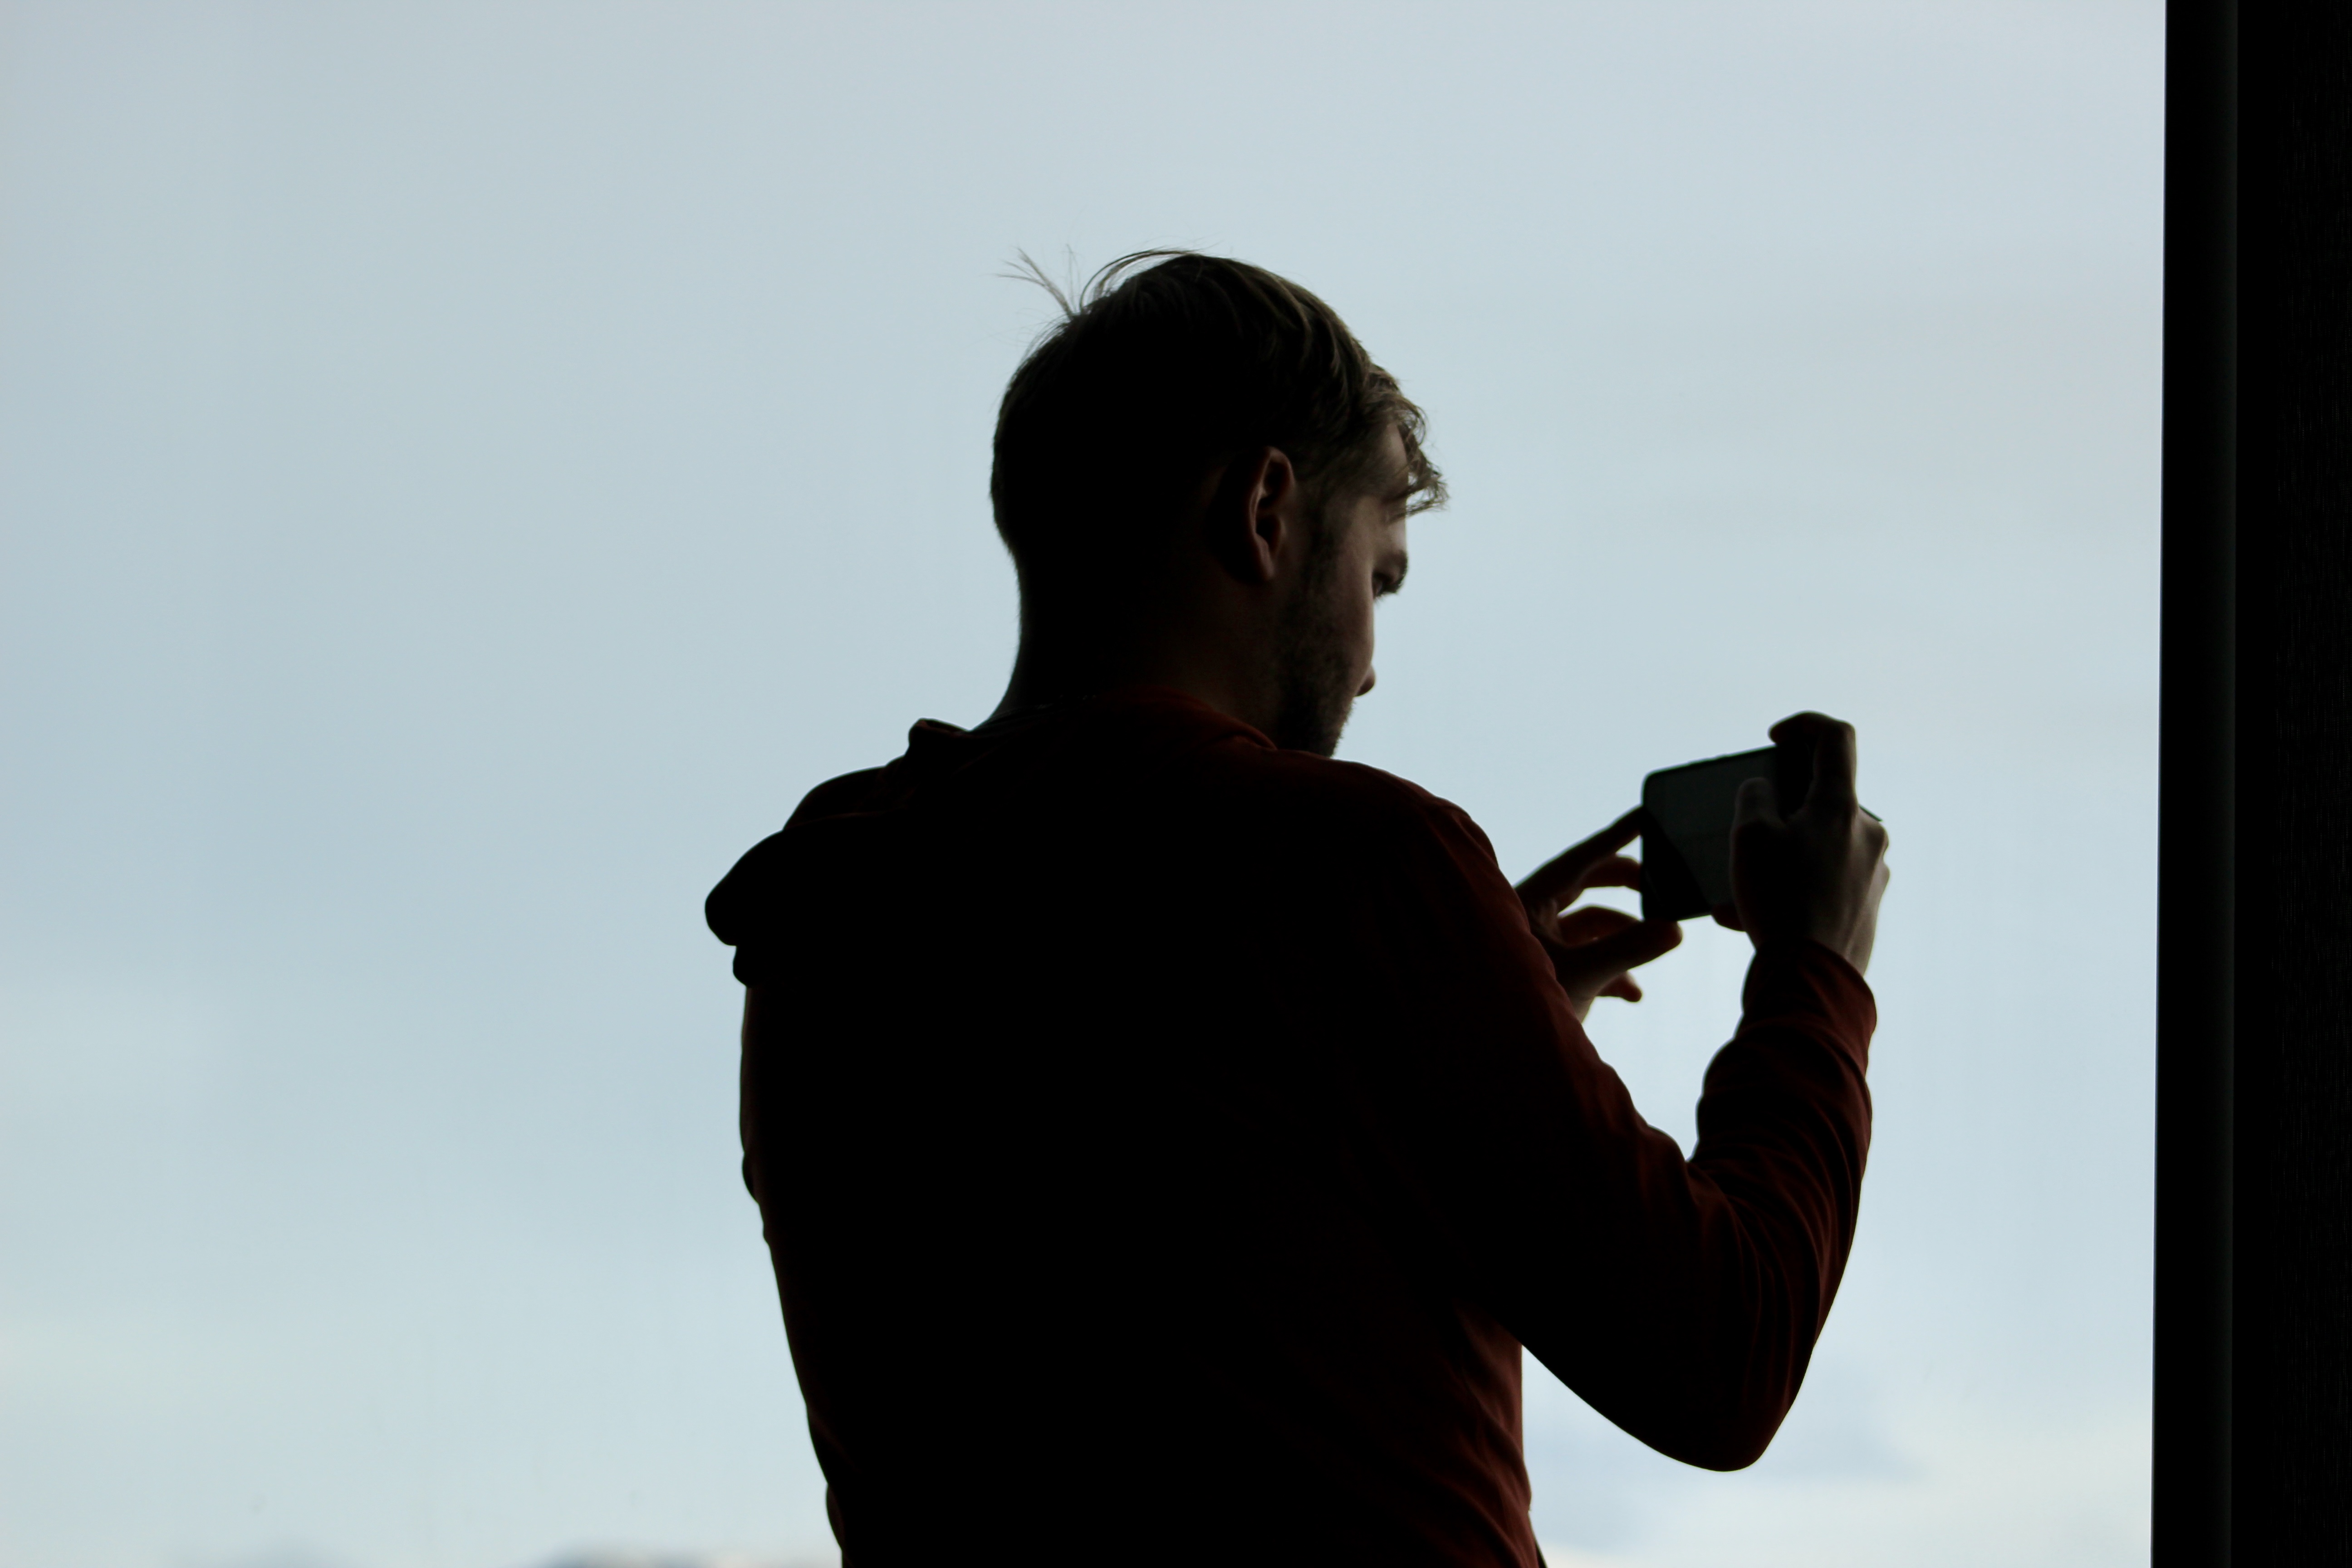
1314, 725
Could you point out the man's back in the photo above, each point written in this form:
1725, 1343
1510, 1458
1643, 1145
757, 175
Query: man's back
1166, 1143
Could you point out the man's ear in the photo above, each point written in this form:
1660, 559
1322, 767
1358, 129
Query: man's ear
1254, 514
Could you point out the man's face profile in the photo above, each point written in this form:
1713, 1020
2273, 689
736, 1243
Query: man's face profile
1325, 654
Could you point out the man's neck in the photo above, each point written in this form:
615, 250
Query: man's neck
1049, 672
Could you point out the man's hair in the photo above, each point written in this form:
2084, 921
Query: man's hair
1165, 365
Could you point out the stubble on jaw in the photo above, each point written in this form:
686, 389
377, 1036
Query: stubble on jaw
1314, 686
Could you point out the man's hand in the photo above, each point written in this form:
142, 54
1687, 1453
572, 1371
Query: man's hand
1595, 949
1818, 872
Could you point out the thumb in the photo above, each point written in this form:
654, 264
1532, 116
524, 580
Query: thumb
1757, 803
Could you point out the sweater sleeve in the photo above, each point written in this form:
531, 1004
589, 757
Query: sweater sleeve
1680, 1298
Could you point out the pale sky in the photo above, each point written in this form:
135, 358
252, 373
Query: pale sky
465, 470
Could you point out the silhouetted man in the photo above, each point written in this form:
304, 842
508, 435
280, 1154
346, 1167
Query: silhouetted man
1167, 1136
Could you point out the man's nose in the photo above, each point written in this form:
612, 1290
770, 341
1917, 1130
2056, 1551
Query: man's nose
1371, 678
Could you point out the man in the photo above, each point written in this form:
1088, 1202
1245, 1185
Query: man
1166, 1136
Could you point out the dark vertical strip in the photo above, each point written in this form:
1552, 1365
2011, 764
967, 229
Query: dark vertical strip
2196, 848
2293, 1225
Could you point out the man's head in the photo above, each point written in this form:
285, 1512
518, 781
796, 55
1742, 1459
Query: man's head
1203, 448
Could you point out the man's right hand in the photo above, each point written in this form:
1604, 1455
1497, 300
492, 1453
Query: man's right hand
1818, 872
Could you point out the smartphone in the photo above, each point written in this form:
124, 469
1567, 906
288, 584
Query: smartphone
1687, 825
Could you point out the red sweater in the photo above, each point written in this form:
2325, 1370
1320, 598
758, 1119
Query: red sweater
1167, 1143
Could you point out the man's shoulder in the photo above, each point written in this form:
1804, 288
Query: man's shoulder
738, 903
1171, 769
848, 791
1324, 797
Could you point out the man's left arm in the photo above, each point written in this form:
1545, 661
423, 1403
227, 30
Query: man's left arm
1681, 1298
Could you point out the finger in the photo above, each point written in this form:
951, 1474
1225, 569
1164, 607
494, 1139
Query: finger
1617, 871
1560, 879
1755, 803
1589, 969
1833, 756
1727, 917
1625, 988
1591, 923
